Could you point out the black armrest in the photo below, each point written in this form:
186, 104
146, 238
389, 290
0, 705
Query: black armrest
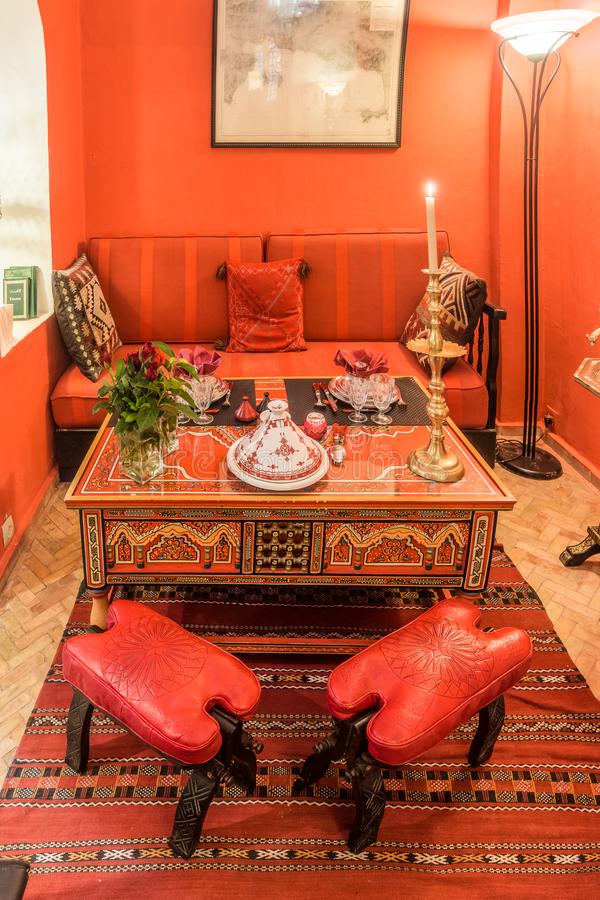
495, 314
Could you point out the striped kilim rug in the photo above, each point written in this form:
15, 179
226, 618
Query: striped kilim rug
527, 824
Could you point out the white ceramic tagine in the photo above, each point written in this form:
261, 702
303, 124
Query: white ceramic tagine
277, 455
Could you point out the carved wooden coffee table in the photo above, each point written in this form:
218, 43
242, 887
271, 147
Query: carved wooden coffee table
369, 521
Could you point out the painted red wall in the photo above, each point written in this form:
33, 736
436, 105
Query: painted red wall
62, 37
149, 167
29, 372
569, 230
27, 376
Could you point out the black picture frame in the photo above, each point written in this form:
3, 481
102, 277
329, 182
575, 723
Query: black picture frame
394, 144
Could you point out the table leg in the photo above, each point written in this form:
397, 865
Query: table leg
100, 604
578, 553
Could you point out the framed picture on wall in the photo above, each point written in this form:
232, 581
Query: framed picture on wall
308, 73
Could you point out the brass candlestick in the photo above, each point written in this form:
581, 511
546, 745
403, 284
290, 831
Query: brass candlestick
435, 462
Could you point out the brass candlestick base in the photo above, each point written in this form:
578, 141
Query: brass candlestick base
435, 462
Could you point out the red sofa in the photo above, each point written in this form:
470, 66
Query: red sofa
361, 291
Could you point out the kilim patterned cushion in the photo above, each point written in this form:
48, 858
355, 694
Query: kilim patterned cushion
463, 297
84, 317
265, 306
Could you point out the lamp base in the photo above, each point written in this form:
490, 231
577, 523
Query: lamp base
542, 465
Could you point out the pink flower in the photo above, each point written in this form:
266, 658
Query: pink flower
151, 372
204, 361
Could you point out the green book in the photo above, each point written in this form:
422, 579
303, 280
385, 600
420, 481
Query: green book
26, 272
16, 293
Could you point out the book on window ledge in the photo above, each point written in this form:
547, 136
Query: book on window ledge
18, 273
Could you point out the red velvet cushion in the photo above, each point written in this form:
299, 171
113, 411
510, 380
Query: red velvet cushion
265, 306
427, 679
160, 681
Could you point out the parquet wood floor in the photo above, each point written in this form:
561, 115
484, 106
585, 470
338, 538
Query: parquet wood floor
38, 593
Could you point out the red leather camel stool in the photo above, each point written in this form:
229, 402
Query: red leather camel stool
180, 694
399, 697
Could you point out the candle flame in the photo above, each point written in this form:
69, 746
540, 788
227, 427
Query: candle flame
430, 189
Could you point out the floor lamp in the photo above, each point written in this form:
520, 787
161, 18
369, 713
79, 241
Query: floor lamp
536, 36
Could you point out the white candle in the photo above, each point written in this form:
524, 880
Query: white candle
431, 236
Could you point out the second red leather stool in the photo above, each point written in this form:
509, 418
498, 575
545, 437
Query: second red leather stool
180, 694
405, 693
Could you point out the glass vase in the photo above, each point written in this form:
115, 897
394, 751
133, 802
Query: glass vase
169, 436
140, 455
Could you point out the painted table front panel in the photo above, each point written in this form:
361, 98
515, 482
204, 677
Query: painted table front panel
370, 520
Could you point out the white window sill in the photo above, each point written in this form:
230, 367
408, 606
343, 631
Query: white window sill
24, 327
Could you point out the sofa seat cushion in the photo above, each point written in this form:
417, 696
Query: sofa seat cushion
160, 681
74, 395
427, 678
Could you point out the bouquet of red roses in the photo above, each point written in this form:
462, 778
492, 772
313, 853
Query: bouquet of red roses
145, 390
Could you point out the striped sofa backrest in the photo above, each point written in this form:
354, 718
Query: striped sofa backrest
165, 288
363, 285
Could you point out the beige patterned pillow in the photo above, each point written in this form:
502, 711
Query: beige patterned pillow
463, 297
84, 318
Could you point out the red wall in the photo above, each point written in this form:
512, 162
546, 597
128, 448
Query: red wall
29, 372
27, 376
569, 229
149, 167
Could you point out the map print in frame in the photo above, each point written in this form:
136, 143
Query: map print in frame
306, 73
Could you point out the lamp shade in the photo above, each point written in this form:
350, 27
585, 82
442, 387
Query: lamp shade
535, 34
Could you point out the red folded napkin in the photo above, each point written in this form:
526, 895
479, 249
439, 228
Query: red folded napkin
362, 363
204, 361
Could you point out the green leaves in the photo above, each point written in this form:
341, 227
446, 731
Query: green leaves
164, 348
140, 402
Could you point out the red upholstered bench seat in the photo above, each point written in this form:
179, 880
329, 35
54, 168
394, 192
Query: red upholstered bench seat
159, 681
427, 678
74, 396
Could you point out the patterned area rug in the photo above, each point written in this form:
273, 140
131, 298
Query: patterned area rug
525, 824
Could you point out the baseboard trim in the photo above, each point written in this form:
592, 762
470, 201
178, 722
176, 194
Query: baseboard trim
570, 455
34, 509
562, 448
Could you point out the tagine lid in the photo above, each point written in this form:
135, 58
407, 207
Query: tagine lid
277, 454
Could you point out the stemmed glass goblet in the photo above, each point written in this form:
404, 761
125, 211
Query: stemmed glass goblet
382, 391
358, 389
203, 391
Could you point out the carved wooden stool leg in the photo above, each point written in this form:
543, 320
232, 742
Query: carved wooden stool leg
242, 766
369, 799
193, 806
317, 763
238, 750
78, 732
491, 719
577, 554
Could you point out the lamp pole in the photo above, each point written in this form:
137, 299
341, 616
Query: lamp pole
525, 457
